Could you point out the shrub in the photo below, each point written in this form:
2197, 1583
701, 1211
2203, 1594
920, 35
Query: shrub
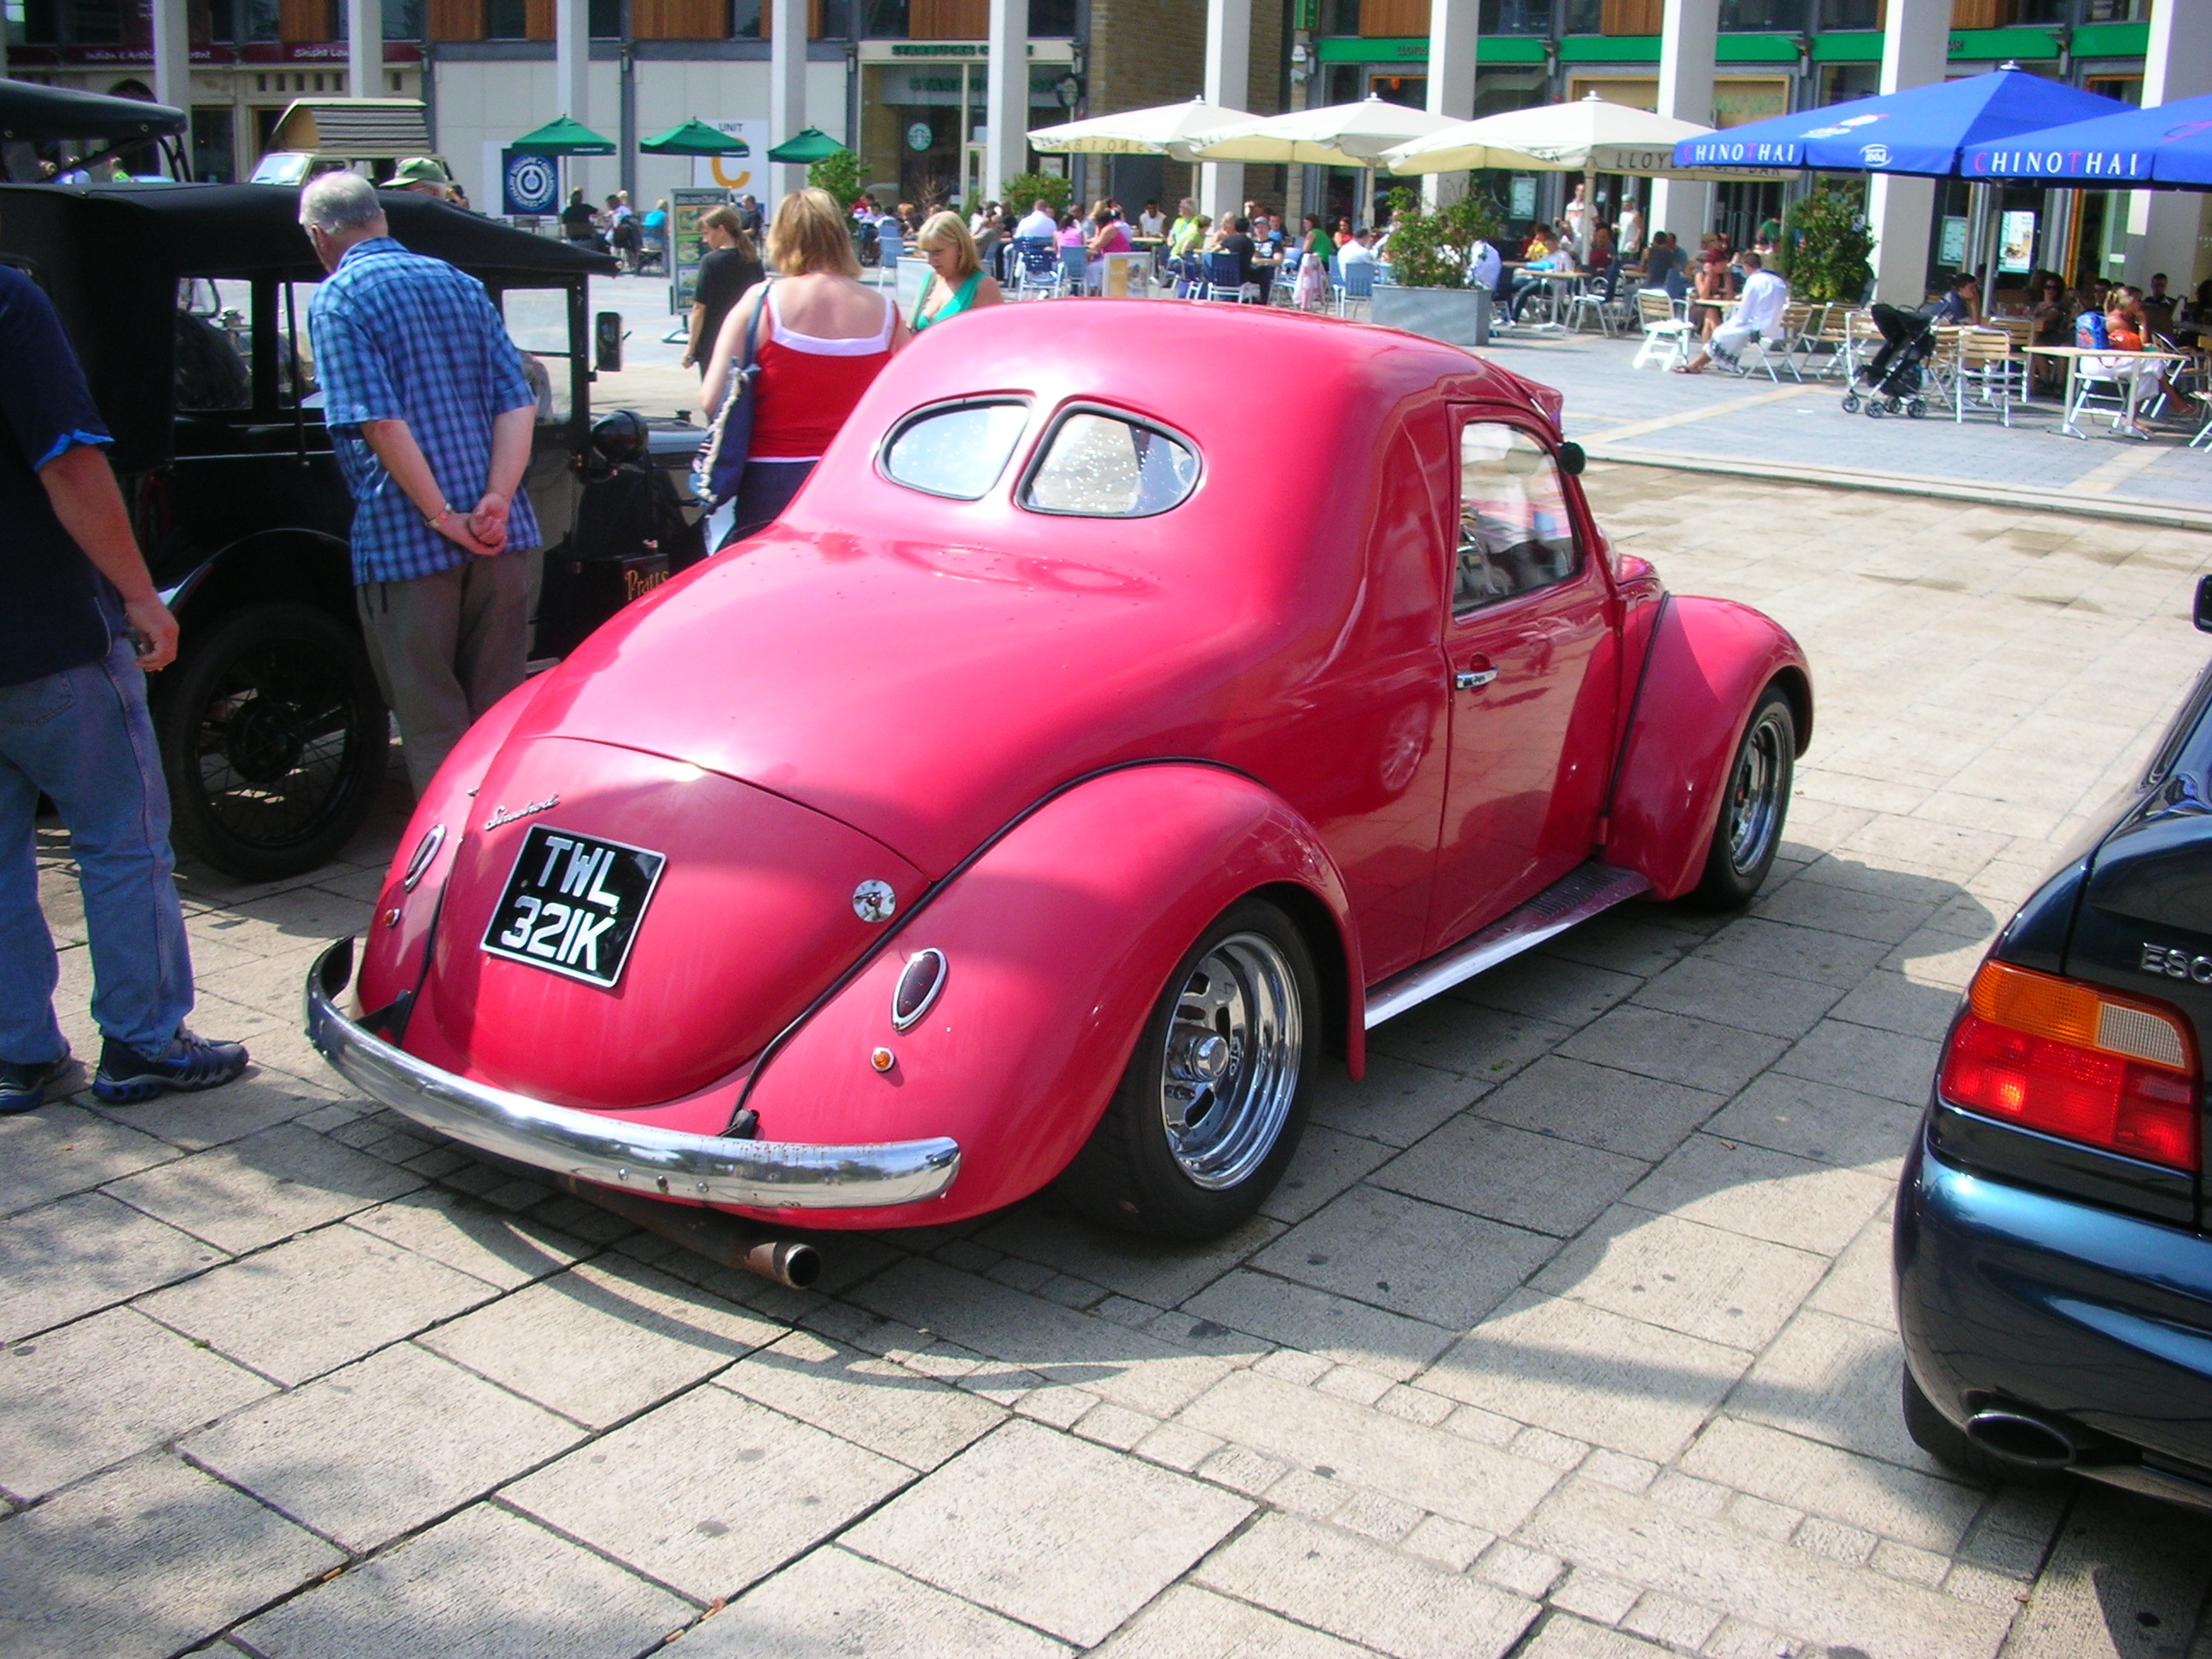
1429, 250
1024, 188
839, 174
1824, 244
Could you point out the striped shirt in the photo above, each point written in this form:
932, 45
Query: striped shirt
397, 337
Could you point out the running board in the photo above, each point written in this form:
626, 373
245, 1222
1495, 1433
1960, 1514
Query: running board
1576, 896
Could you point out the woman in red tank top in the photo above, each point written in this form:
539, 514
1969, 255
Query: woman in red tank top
824, 338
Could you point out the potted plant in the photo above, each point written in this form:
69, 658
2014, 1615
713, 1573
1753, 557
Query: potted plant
1824, 244
1429, 293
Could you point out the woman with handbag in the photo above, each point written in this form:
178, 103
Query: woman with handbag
792, 358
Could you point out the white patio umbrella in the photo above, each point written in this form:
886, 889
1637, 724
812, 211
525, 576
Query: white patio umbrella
1334, 136
1163, 130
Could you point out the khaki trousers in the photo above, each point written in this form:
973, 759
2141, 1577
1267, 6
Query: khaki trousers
445, 648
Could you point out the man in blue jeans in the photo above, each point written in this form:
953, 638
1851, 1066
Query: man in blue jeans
73, 724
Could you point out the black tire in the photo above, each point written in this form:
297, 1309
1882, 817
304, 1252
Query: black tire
1134, 1173
1873, 409
1754, 806
1916, 409
274, 740
1850, 403
1947, 1443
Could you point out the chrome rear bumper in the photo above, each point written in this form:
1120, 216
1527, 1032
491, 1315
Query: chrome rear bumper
757, 1173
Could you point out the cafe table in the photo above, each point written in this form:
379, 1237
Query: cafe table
2073, 357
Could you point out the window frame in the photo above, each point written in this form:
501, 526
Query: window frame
952, 405
1475, 414
1043, 448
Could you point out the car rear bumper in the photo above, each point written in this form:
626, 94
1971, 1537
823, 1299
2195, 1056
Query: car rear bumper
665, 1163
2009, 1295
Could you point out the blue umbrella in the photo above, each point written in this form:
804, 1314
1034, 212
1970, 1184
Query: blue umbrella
1922, 130
2168, 144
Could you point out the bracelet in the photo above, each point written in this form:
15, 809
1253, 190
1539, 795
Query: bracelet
444, 512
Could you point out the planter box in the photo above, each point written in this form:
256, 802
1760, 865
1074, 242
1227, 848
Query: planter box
1456, 316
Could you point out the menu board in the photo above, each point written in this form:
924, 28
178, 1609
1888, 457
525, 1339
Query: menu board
686, 248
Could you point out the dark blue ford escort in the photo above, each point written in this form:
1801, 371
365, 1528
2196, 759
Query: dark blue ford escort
2053, 1241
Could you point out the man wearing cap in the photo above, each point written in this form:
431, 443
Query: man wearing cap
430, 414
425, 175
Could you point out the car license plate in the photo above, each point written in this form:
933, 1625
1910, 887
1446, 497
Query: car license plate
573, 904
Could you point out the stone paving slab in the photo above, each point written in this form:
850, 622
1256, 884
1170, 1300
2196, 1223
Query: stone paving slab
1597, 1362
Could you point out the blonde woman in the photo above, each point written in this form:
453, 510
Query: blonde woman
823, 340
956, 281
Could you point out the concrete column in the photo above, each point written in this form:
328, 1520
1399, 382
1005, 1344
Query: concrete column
1915, 44
365, 48
1228, 86
1453, 25
786, 91
1690, 32
1007, 101
2167, 230
173, 57
572, 58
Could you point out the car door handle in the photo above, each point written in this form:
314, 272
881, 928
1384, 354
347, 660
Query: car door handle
1467, 679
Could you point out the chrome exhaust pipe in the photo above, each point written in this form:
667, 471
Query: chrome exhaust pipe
720, 1237
2023, 1439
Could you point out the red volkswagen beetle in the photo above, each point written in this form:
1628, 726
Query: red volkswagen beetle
1103, 734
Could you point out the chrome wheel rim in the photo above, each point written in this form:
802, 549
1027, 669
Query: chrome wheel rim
1754, 798
1228, 1068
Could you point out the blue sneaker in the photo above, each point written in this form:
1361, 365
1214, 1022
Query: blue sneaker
188, 1064
23, 1088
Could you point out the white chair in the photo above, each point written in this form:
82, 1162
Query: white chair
1666, 334
1783, 334
1352, 283
1989, 366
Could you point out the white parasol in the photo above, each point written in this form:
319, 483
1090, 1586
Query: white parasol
1334, 136
1163, 130
1589, 136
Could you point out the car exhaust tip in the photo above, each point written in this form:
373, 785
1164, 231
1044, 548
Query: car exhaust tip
2028, 1442
720, 1238
787, 1261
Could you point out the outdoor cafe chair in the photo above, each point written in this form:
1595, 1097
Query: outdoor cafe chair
1666, 333
1351, 284
1222, 280
1074, 271
1787, 327
1862, 342
1987, 364
1586, 303
1040, 268
889, 250
1287, 277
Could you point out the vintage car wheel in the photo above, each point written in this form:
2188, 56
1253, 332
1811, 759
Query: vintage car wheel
275, 741
1210, 1109
1754, 804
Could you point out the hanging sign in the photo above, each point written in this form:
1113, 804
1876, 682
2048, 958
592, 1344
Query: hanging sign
529, 183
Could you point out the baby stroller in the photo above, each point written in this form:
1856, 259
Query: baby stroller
1892, 379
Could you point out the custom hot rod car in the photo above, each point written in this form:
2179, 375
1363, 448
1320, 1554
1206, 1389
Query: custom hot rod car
1089, 746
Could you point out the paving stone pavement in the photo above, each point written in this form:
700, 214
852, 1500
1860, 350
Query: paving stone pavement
1568, 1335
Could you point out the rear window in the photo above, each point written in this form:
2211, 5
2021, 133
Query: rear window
957, 451
1109, 466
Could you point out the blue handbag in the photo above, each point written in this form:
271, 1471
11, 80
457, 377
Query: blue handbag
720, 465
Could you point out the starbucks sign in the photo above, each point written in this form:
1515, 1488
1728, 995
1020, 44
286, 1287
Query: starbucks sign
917, 136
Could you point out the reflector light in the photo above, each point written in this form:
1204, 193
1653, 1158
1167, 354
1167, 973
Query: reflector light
2072, 1061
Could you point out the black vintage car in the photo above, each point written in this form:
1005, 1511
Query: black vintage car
187, 303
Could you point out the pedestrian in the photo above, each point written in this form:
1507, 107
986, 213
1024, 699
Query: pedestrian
1575, 217
428, 406
1313, 251
825, 338
749, 215
731, 265
1629, 239
81, 628
956, 279
577, 222
622, 232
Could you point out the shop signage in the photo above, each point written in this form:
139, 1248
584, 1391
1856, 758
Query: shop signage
529, 182
893, 51
686, 248
738, 170
917, 136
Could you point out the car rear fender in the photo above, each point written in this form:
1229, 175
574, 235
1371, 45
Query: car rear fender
1057, 937
401, 928
1707, 664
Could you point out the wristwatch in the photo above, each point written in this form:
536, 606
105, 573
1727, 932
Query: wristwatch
447, 511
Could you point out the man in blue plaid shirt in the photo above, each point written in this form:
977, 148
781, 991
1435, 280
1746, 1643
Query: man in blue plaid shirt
426, 403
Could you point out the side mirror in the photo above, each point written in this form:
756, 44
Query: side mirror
2204, 616
1572, 461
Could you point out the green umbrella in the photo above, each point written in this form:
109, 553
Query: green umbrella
810, 146
694, 137
564, 138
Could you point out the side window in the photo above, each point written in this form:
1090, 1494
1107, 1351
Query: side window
1514, 532
538, 322
1101, 466
215, 346
957, 451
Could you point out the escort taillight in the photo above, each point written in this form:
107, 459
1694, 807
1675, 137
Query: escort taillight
2076, 1061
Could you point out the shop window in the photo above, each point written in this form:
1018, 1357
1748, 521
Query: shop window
95, 22
1053, 18
602, 20
1516, 16
1754, 16
1851, 14
883, 20
754, 20
2115, 11
214, 156
1582, 16
1341, 18
260, 18
1390, 19
504, 19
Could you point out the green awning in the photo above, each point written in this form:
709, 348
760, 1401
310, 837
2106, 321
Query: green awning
810, 146
564, 138
694, 137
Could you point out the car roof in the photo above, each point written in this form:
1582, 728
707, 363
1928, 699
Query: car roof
253, 230
33, 113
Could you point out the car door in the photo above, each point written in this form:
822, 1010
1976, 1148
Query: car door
1527, 646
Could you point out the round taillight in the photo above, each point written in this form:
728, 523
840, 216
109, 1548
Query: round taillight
919, 982
425, 850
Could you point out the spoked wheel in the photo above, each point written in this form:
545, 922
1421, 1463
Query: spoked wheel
1211, 1107
275, 741
1753, 807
